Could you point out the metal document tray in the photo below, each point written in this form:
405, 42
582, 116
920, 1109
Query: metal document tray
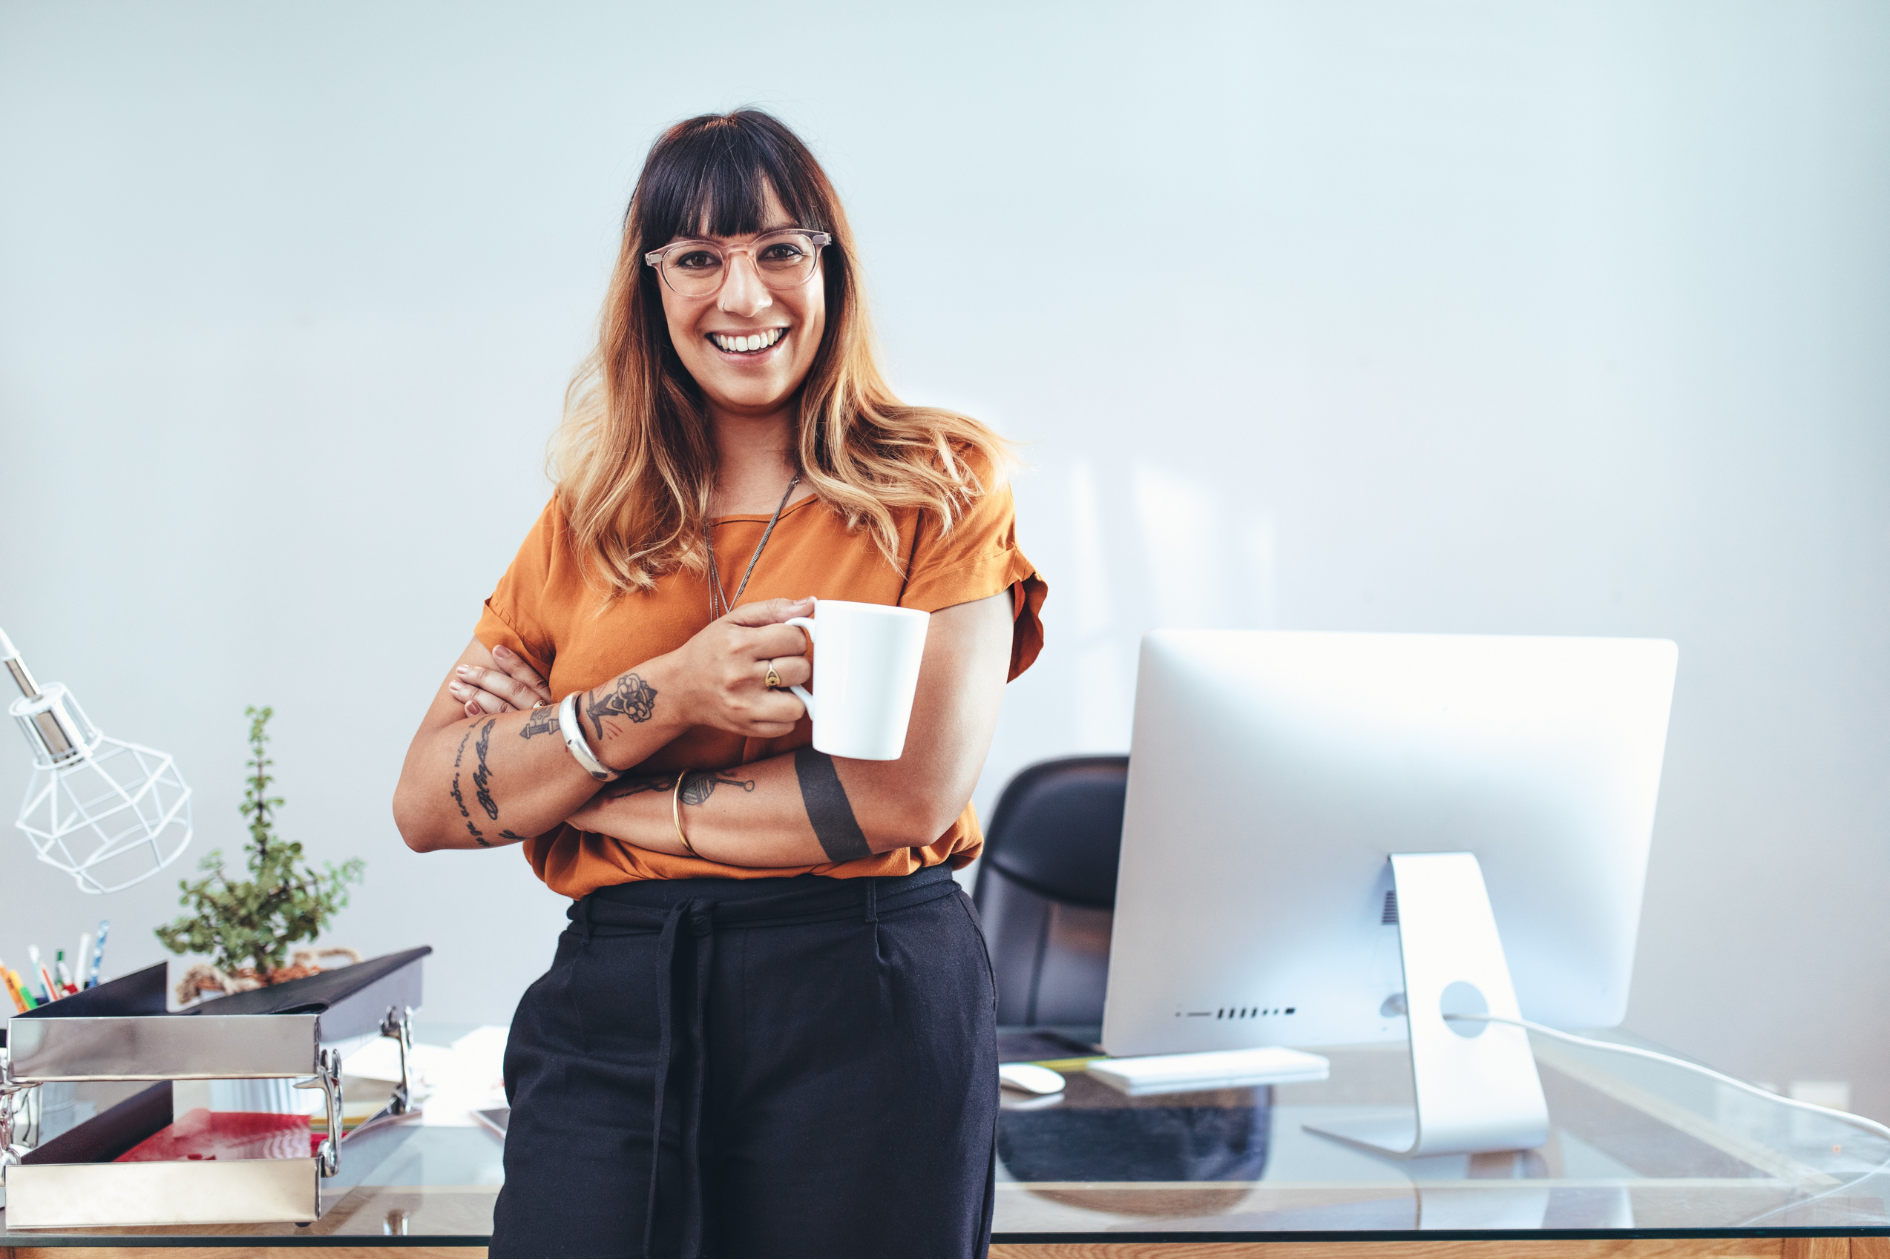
120, 1032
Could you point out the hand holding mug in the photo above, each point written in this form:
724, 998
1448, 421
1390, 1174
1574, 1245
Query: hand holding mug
722, 672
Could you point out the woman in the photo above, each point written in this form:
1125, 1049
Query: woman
769, 1028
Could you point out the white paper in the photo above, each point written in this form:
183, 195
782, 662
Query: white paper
467, 1077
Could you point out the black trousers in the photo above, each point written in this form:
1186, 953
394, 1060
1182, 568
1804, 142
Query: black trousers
716, 1067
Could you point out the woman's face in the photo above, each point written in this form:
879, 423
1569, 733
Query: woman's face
789, 322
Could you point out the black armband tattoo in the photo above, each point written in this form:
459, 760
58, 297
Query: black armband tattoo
828, 808
628, 696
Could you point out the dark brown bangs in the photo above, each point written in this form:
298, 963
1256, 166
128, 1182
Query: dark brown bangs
710, 176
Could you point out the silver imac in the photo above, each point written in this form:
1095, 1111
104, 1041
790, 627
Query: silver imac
1342, 838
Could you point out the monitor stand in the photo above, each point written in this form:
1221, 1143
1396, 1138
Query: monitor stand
1475, 1083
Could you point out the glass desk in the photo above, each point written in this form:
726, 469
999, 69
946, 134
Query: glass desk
1641, 1155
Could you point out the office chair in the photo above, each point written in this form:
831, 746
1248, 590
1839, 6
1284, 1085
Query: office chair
1047, 894
1047, 889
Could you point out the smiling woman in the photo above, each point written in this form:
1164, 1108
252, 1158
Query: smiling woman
769, 1029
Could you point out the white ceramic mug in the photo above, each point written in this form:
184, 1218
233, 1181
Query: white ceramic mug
866, 663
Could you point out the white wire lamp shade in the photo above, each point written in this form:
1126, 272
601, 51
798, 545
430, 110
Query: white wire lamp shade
103, 811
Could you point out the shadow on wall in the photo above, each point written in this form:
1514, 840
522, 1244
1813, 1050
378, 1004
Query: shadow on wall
1179, 560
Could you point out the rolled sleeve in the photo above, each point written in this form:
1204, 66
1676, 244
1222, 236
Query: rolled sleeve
977, 558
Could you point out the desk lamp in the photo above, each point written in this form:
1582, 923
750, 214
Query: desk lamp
103, 811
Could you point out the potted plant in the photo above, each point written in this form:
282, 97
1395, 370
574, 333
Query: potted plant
247, 926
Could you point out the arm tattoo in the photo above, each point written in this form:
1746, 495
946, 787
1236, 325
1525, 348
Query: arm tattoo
700, 785
828, 808
543, 721
460, 800
629, 696
482, 777
512, 835
630, 787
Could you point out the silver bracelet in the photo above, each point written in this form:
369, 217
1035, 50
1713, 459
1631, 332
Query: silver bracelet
574, 740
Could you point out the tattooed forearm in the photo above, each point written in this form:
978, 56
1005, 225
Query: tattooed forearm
828, 808
542, 722
700, 785
628, 696
482, 777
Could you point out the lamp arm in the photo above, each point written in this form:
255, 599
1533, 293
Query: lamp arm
16, 665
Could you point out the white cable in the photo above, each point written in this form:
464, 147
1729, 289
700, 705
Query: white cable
1862, 1122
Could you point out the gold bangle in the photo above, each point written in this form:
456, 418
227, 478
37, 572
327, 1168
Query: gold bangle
675, 810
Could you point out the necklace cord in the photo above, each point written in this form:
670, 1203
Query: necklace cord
715, 578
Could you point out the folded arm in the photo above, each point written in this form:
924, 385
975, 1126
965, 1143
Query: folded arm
498, 777
804, 808
486, 769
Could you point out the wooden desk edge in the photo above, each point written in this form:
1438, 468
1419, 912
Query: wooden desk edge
1863, 1248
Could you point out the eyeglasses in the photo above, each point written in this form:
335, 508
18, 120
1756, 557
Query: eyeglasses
783, 258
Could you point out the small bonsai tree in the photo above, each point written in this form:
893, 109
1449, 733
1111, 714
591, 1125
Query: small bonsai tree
250, 924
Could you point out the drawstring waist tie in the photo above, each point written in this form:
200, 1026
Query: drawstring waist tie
694, 909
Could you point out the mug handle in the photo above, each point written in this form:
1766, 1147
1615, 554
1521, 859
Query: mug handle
806, 697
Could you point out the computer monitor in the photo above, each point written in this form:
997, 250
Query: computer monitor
1272, 778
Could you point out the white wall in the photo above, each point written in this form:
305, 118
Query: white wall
1528, 318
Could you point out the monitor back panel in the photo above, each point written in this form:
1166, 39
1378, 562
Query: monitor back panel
1273, 774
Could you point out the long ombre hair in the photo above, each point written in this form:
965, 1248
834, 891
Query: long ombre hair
634, 458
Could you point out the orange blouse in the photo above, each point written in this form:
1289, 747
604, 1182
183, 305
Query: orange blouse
544, 610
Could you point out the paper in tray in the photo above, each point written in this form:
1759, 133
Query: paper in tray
205, 1134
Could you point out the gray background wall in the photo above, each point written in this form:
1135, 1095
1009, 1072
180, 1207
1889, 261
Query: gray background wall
1522, 318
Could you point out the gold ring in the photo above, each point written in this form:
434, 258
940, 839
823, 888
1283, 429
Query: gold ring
773, 680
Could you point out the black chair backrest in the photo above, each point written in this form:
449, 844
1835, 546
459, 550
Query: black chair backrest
1047, 888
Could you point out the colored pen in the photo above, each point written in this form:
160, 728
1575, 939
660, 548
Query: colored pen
98, 953
78, 960
14, 978
21, 1002
66, 986
45, 976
